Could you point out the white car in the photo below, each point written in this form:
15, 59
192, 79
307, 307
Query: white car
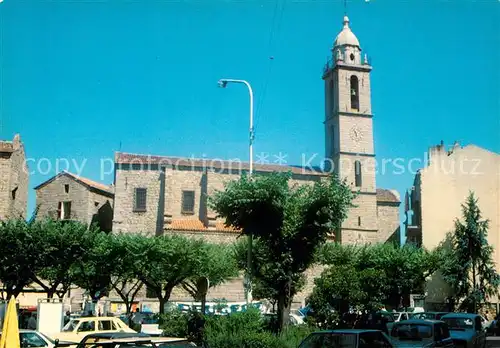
34, 339
398, 316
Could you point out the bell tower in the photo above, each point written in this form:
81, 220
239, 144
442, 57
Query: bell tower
349, 148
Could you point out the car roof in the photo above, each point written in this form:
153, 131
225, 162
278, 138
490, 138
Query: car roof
95, 318
460, 315
117, 334
430, 312
418, 321
146, 340
349, 331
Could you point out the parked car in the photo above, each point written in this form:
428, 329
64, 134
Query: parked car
151, 342
415, 333
347, 339
398, 316
35, 339
466, 330
76, 329
105, 336
428, 315
493, 342
381, 320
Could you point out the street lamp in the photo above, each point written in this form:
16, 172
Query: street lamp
223, 83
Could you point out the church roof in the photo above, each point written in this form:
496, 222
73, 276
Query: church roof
80, 179
196, 225
346, 36
387, 196
216, 164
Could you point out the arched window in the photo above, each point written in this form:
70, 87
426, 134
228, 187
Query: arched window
357, 173
354, 92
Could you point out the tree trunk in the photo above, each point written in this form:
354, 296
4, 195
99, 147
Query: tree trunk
474, 292
162, 301
284, 302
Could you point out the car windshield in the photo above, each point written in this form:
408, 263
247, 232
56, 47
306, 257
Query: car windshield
459, 323
333, 340
47, 338
70, 326
423, 316
412, 332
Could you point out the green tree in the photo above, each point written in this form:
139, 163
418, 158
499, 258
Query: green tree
60, 245
217, 264
348, 284
406, 268
291, 221
19, 256
124, 278
164, 262
469, 269
93, 270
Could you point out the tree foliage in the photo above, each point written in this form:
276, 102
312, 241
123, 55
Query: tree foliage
375, 275
124, 279
61, 246
164, 262
217, 264
19, 258
94, 269
469, 268
290, 221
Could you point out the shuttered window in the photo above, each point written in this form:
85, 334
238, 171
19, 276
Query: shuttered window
140, 199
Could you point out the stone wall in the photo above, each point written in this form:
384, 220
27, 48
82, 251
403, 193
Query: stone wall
388, 222
5, 193
100, 210
19, 179
13, 181
49, 196
125, 219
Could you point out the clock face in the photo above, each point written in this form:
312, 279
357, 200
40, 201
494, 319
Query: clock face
356, 134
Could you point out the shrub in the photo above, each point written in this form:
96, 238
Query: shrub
242, 330
174, 323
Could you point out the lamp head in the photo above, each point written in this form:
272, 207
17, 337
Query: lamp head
222, 83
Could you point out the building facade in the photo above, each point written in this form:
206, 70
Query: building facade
14, 179
157, 195
68, 196
437, 195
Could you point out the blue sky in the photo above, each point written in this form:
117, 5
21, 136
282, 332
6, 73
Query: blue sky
82, 79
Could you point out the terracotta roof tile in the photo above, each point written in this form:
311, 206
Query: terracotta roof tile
198, 226
84, 181
384, 195
138, 159
91, 183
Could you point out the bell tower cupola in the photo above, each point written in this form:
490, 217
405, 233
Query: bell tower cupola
347, 46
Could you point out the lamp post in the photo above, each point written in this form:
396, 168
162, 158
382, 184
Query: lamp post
223, 83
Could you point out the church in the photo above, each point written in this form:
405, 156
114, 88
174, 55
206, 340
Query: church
168, 195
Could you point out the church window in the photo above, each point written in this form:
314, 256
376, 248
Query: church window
359, 220
352, 56
187, 202
14, 191
354, 92
66, 188
357, 173
140, 199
